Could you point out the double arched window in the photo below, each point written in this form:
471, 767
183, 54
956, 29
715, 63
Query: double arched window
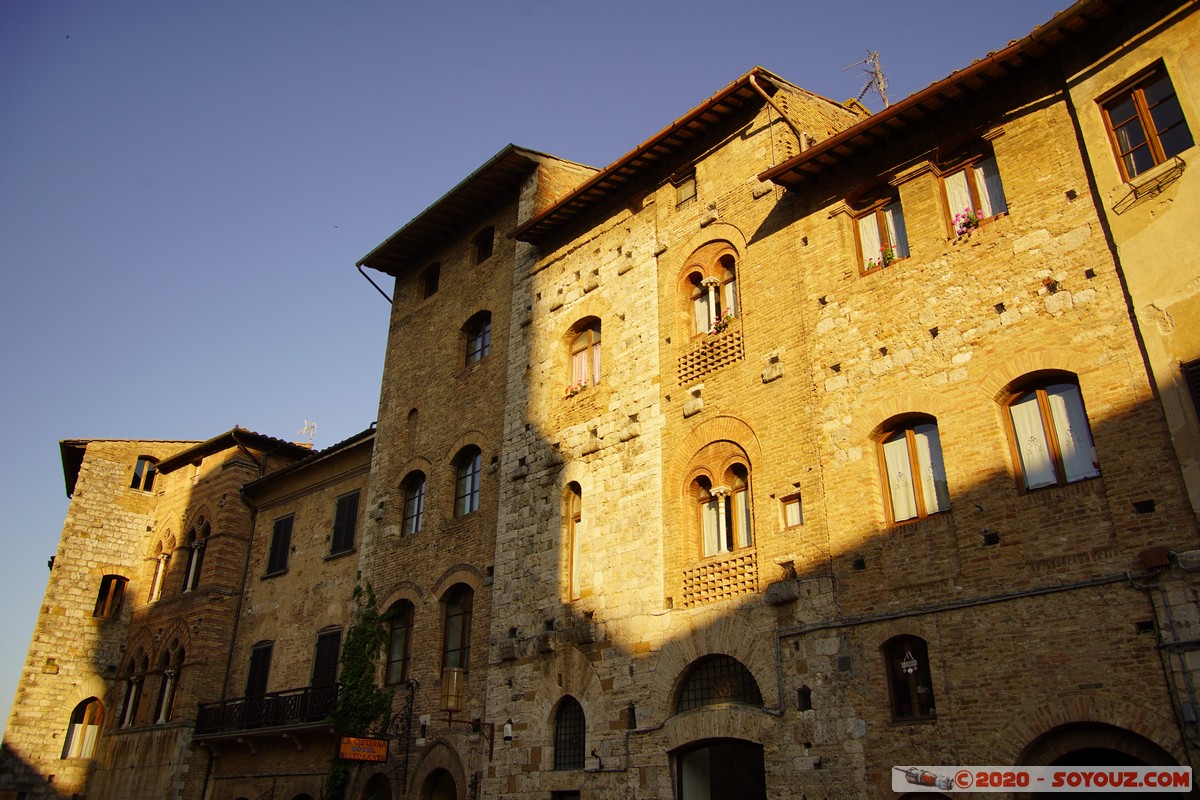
719, 491
711, 281
197, 540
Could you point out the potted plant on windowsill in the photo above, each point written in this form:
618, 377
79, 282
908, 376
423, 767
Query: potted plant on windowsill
966, 221
722, 323
575, 389
887, 254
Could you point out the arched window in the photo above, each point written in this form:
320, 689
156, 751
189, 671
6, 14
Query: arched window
196, 542
1051, 440
160, 571
573, 520
110, 597
585, 358
83, 729
399, 641
456, 642
711, 280
723, 511
478, 331
914, 477
909, 678
135, 675
168, 684
466, 481
717, 679
570, 735
144, 471
440, 786
413, 487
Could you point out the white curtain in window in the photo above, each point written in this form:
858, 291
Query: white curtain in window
730, 296
700, 313
991, 191
868, 238
1031, 443
579, 367
710, 517
899, 478
958, 196
1074, 436
934, 489
741, 515
893, 217
596, 363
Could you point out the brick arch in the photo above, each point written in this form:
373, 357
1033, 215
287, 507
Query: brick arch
166, 542
90, 686
997, 382
872, 418
1018, 737
404, 590
178, 631
717, 231
469, 438
194, 516
417, 463
725, 635
438, 755
459, 573
717, 429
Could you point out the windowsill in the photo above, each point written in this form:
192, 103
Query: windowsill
1084, 486
341, 554
865, 270
897, 722
738, 553
915, 522
275, 574
1144, 179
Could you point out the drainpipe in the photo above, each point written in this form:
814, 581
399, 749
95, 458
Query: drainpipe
800, 137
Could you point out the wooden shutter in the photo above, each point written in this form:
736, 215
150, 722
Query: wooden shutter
344, 523
281, 545
325, 662
260, 669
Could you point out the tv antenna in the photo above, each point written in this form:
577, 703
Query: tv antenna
308, 430
875, 78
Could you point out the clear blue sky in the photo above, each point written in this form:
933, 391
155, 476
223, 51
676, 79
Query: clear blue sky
185, 188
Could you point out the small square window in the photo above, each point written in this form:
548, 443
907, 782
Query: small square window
793, 512
685, 187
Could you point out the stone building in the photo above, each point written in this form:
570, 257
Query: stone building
137, 620
267, 730
797, 444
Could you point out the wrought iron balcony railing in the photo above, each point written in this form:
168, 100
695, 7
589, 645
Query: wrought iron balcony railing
276, 709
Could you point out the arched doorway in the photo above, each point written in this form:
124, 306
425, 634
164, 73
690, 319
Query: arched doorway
1095, 744
440, 786
377, 788
721, 769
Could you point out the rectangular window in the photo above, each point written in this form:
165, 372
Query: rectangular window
344, 524
260, 669
143, 474
974, 193
882, 237
685, 187
112, 592
793, 513
325, 659
1145, 123
281, 545
1191, 377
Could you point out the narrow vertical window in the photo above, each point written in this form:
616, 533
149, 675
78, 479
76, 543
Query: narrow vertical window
910, 682
479, 337
281, 545
585, 357
144, 471
570, 735
430, 279
456, 648
160, 571
414, 502
573, 512
466, 485
259, 670
197, 541
484, 243
325, 659
166, 690
345, 523
399, 641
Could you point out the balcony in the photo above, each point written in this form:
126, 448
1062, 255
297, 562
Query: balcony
291, 708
